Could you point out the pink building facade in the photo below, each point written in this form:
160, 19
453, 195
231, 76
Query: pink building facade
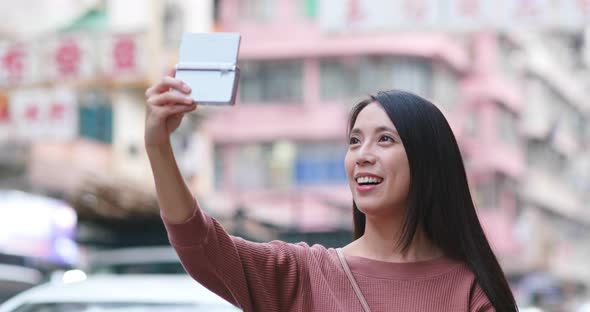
279, 153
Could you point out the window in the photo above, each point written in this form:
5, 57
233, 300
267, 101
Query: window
281, 164
251, 166
256, 166
472, 123
256, 10
351, 77
445, 88
556, 101
414, 76
320, 163
506, 53
564, 116
339, 79
271, 81
540, 154
489, 193
486, 194
507, 126
96, 117
577, 173
537, 118
567, 47
574, 121
375, 74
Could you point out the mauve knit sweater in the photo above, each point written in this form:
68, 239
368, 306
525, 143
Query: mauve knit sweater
279, 276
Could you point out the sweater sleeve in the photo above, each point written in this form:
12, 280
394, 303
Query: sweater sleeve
479, 301
252, 276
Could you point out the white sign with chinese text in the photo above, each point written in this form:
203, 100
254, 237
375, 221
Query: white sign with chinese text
74, 57
44, 114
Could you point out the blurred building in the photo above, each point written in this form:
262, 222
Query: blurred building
519, 117
282, 157
555, 215
72, 108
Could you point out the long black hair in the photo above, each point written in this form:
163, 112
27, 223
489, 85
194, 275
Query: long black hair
439, 200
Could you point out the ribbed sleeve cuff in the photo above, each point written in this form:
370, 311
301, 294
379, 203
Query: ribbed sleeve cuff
190, 233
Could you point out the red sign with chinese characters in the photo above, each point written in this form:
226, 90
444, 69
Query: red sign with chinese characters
68, 56
31, 112
13, 62
124, 50
56, 111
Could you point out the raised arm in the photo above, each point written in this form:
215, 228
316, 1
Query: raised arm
254, 276
164, 112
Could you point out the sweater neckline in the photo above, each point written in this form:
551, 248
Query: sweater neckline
401, 270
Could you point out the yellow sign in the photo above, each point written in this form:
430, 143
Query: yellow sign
4, 113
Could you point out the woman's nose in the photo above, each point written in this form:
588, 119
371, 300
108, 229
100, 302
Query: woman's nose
365, 157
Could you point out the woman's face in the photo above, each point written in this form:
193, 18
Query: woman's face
376, 164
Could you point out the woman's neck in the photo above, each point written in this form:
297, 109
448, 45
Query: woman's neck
380, 242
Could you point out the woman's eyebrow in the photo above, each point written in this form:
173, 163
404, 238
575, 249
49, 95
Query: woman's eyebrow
355, 131
386, 129
377, 130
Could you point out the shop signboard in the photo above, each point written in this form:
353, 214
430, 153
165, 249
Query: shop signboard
44, 114
73, 57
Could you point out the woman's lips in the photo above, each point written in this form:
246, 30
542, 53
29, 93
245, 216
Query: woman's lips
363, 189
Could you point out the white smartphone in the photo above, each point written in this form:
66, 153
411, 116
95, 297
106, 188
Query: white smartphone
208, 63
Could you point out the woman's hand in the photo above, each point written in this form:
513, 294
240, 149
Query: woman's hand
167, 102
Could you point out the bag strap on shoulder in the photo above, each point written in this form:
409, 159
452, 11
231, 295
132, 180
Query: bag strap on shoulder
355, 286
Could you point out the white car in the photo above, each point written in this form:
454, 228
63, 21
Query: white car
585, 307
135, 260
16, 278
120, 293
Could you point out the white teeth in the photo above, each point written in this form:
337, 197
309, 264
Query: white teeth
368, 180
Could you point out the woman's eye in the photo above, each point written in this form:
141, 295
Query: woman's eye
353, 140
386, 138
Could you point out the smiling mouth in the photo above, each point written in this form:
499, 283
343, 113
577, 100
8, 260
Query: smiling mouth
368, 181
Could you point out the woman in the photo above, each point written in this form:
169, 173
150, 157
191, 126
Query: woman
418, 243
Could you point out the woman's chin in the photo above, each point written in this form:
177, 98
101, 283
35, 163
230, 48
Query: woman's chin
375, 208
371, 208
